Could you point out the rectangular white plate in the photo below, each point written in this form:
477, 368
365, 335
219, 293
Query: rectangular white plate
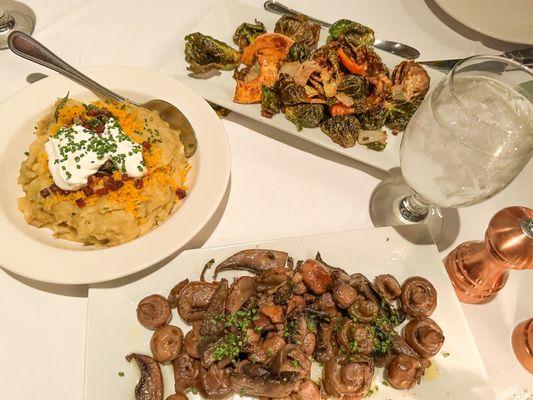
113, 330
220, 22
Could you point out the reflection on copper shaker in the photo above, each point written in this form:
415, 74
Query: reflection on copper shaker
479, 269
522, 340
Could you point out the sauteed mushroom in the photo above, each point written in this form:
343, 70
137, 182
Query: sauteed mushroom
343, 295
254, 260
192, 340
315, 276
213, 383
404, 371
177, 396
258, 380
307, 390
186, 371
150, 386
419, 297
348, 377
363, 310
154, 311
424, 336
241, 291
173, 296
194, 298
388, 287
166, 343
355, 338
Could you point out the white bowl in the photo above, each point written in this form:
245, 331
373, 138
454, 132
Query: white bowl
34, 253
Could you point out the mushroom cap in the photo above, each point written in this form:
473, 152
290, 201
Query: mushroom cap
166, 343
343, 376
404, 372
419, 297
154, 311
424, 336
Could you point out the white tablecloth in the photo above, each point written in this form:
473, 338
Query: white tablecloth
309, 190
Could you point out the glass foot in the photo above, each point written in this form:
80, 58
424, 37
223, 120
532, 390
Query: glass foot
14, 20
386, 209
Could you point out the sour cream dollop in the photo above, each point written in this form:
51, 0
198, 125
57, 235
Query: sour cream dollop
75, 153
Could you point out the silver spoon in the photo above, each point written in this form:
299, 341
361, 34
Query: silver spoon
396, 48
27, 47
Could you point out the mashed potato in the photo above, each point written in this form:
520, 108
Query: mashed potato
112, 208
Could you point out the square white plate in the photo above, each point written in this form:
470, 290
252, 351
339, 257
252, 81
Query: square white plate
220, 22
113, 330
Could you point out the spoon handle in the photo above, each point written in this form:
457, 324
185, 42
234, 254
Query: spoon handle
27, 47
278, 8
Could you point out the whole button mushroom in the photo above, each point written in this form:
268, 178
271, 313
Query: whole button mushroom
424, 336
404, 371
154, 311
419, 297
166, 343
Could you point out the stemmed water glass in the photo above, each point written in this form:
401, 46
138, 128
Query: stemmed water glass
469, 139
14, 17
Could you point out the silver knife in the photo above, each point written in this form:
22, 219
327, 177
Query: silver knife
396, 48
523, 56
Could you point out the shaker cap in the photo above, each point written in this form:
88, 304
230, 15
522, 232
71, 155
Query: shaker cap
510, 235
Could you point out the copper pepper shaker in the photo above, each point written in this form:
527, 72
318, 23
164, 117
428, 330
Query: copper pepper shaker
478, 270
522, 340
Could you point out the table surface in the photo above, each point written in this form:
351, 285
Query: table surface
43, 337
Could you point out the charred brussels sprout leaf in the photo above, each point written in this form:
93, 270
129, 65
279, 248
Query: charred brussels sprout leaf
305, 115
399, 112
298, 52
354, 33
299, 29
246, 33
373, 120
374, 140
270, 102
292, 93
355, 86
221, 111
342, 129
204, 53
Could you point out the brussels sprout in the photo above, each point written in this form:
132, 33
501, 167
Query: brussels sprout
355, 86
354, 33
399, 112
270, 101
305, 115
373, 120
299, 52
373, 139
410, 81
246, 33
299, 29
204, 53
342, 129
292, 93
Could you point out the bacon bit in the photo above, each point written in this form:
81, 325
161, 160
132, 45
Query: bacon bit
146, 146
181, 193
45, 192
100, 128
100, 174
340, 109
351, 65
53, 188
87, 191
101, 192
93, 112
106, 180
138, 183
115, 185
125, 177
80, 203
91, 180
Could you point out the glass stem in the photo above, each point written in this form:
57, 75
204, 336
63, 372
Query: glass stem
413, 208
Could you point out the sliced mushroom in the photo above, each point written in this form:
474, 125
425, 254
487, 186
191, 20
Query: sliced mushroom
214, 383
404, 372
419, 297
186, 371
388, 287
272, 344
363, 310
315, 276
166, 343
150, 386
212, 325
400, 346
275, 313
154, 311
173, 296
353, 337
192, 340
307, 390
240, 292
257, 380
253, 260
194, 298
327, 345
271, 280
348, 377
343, 295
424, 336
